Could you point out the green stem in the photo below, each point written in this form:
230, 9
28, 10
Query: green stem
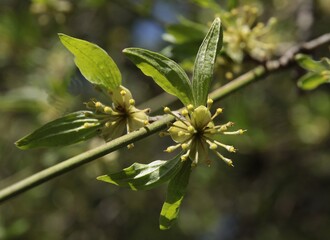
83, 158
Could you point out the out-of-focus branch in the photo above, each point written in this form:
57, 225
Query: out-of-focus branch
83, 158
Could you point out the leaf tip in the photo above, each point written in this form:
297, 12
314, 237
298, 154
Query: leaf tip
20, 144
61, 35
102, 178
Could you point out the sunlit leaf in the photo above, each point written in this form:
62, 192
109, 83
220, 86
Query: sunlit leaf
175, 193
93, 62
204, 63
164, 71
71, 128
319, 72
309, 64
144, 176
312, 80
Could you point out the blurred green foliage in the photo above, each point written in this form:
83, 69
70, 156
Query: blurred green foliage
279, 188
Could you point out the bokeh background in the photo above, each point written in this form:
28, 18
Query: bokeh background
279, 188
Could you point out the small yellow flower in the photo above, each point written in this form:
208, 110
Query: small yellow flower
244, 35
195, 132
121, 116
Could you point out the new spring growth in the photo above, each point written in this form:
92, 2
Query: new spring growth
121, 116
195, 133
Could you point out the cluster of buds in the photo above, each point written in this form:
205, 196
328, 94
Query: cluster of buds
243, 35
195, 132
121, 116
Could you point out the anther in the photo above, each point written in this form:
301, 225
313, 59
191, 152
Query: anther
190, 107
217, 112
108, 110
167, 110
184, 146
172, 148
185, 156
226, 160
227, 147
131, 102
209, 103
191, 129
98, 104
184, 112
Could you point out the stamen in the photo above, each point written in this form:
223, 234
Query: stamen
108, 110
226, 160
172, 148
131, 102
218, 111
227, 147
191, 129
212, 145
141, 120
111, 123
238, 132
209, 103
195, 161
185, 146
184, 112
185, 156
190, 108
168, 111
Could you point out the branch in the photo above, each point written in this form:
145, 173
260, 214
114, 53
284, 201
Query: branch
86, 157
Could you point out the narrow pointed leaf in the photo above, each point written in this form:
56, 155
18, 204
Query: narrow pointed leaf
63, 131
144, 176
93, 62
204, 63
164, 71
175, 193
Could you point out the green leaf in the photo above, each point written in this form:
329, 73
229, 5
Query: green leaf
309, 64
319, 72
175, 193
232, 4
93, 62
312, 80
204, 63
185, 32
210, 4
144, 176
71, 128
164, 71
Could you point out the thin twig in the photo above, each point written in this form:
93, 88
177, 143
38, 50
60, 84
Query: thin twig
88, 156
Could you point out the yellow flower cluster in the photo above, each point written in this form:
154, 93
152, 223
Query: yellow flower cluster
122, 116
243, 35
195, 132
